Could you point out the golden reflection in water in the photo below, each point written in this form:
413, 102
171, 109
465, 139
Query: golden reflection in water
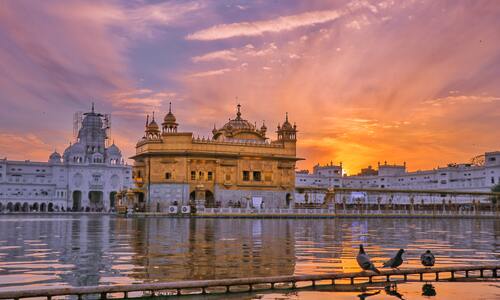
177, 249
412, 290
92, 250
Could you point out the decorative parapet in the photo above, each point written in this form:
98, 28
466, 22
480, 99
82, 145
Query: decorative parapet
96, 186
238, 143
148, 141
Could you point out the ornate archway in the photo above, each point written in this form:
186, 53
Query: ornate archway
209, 199
96, 200
112, 200
77, 201
288, 200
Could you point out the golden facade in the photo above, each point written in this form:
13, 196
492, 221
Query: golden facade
237, 167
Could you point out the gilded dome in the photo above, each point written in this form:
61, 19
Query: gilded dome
238, 128
169, 117
286, 125
153, 126
238, 124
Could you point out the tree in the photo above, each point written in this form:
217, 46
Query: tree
495, 189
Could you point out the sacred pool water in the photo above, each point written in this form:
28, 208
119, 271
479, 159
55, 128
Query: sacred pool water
80, 250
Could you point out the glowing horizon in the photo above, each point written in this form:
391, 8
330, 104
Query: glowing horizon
365, 81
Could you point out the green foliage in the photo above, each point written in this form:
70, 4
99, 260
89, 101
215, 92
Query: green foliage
495, 189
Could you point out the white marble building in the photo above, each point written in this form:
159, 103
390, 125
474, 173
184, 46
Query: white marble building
478, 177
85, 178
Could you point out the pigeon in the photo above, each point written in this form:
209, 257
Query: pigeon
396, 261
364, 261
427, 259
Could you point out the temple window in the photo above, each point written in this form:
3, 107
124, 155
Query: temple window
209, 176
201, 175
168, 176
257, 176
269, 177
246, 176
193, 175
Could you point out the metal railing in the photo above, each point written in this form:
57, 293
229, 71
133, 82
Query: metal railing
344, 212
252, 283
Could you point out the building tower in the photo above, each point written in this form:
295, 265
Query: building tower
152, 129
169, 122
287, 132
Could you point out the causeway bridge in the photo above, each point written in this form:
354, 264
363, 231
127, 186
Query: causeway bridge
232, 285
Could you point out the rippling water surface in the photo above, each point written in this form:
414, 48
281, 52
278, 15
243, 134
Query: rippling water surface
91, 250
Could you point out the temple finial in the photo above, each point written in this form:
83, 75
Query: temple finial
147, 120
286, 117
238, 114
170, 107
153, 115
92, 107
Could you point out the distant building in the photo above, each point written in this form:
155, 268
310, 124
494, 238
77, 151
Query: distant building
479, 176
85, 178
237, 167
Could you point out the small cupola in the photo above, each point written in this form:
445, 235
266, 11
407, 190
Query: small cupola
169, 122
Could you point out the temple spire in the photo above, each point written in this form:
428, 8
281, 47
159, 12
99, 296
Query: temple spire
238, 114
170, 107
92, 107
147, 120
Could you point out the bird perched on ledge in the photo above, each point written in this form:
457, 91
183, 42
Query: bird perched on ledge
396, 261
364, 261
427, 259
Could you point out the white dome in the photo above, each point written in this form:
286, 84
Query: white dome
75, 149
55, 157
113, 150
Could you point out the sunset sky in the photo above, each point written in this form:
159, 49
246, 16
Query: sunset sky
365, 81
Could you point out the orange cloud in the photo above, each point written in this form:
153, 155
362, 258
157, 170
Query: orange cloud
374, 92
365, 81
225, 31
18, 146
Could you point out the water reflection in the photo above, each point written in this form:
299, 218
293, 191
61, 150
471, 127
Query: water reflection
428, 290
392, 290
91, 250
366, 295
